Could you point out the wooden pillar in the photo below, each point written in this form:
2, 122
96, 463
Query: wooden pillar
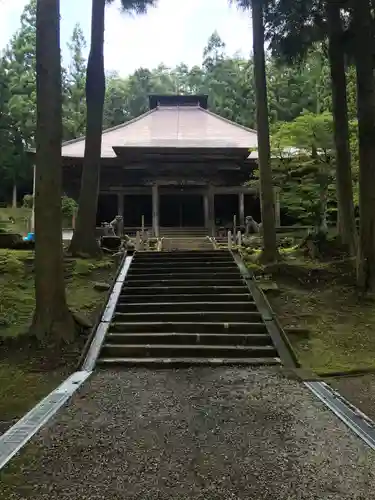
241, 209
155, 210
211, 210
120, 211
277, 207
206, 209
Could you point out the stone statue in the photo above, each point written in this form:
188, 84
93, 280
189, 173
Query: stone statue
107, 229
251, 226
116, 225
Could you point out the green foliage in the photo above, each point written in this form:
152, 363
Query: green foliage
74, 98
303, 167
18, 101
68, 207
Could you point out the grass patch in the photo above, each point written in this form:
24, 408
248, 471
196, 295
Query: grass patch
21, 217
321, 298
24, 380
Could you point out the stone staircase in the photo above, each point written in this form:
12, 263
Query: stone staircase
185, 238
186, 308
183, 232
185, 243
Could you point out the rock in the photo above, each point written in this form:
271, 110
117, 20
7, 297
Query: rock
268, 286
298, 331
101, 286
82, 320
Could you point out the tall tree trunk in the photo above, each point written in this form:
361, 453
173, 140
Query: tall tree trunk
14, 194
84, 237
52, 320
366, 132
347, 227
270, 252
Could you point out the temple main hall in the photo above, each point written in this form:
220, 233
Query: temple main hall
176, 166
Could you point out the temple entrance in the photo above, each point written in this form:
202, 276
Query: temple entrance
107, 208
181, 210
226, 206
252, 207
136, 205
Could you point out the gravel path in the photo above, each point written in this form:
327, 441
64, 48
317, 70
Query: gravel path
207, 434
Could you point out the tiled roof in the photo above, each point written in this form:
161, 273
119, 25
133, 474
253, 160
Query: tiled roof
176, 127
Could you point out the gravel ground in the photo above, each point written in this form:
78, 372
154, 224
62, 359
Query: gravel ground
203, 434
358, 390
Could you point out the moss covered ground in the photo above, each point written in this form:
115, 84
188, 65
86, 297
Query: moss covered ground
318, 298
24, 373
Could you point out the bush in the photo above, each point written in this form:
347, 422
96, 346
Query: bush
68, 207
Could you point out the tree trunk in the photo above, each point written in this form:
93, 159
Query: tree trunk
84, 240
345, 207
270, 252
323, 227
14, 195
52, 322
366, 133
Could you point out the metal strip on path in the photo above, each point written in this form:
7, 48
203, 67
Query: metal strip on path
351, 416
21, 432
356, 420
96, 344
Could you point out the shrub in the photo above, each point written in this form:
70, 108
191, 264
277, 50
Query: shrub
68, 207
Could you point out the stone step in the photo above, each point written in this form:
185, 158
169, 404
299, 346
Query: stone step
187, 274
193, 316
153, 266
182, 263
183, 297
190, 338
181, 307
130, 291
173, 244
185, 362
212, 255
143, 326
191, 282
186, 308
182, 351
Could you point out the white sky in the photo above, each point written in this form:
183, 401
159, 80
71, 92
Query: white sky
176, 31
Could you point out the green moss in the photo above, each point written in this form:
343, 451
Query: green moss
22, 388
341, 325
17, 298
22, 385
21, 217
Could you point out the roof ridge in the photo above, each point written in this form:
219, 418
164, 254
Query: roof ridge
230, 122
111, 129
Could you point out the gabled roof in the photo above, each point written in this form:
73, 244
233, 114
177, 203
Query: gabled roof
157, 100
172, 126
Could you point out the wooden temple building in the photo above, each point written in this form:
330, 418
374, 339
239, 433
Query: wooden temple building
176, 166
